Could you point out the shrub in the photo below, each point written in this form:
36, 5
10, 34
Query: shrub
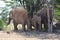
1, 24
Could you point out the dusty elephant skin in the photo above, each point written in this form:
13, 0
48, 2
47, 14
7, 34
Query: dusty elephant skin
19, 16
36, 22
44, 17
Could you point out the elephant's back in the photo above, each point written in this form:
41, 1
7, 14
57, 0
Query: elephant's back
20, 11
19, 14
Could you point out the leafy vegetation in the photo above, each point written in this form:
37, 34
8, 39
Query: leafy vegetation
1, 24
5, 11
57, 10
31, 5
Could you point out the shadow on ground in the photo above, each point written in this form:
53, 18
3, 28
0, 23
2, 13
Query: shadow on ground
37, 34
34, 34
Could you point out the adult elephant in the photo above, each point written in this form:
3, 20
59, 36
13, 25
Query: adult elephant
36, 22
19, 16
44, 17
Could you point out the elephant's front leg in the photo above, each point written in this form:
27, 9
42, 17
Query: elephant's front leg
39, 22
29, 25
45, 26
23, 26
40, 27
36, 26
15, 25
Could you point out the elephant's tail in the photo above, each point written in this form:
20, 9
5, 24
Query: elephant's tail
9, 21
10, 17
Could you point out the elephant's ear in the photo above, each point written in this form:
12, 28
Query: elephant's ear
10, 14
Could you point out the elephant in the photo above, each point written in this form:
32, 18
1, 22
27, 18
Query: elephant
36, 22
19, 15
44, 18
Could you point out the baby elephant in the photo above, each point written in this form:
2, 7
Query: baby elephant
36, 22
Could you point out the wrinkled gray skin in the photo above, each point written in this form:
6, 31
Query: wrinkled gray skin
36, 22
19, 16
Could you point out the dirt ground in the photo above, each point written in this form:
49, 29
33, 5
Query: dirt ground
28, 35
32, 35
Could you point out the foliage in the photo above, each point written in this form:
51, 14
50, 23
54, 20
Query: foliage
31, 5
5, 11
57, 1
1, 24
57, 10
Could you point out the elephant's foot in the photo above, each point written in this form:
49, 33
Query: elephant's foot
36, 29
45, 30
15, 29
24, 30
40, 29
29, 29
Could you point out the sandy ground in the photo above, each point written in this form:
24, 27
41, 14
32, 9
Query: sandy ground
32, 35
29, 35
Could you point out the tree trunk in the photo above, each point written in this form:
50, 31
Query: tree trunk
49, 24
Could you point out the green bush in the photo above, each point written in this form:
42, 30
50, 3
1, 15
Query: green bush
57, 14
1, 24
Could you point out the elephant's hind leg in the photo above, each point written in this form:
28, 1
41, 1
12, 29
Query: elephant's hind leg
9, 21
23, 26
15, 25
37, 26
